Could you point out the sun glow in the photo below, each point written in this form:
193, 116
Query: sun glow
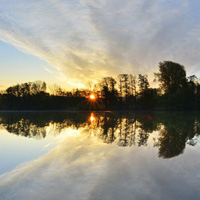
92, 97
92, 117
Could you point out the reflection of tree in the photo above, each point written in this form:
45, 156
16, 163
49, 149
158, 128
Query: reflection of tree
147, 124
105, 125
35, 124
26, 128
171, 143
125, 129
143, 137
109, 124
178, 128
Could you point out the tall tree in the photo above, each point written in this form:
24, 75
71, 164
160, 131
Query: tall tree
132, 85
143, 82
172, 76
108, 91
124, 85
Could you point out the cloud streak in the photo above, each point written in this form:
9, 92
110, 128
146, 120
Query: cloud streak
86, 39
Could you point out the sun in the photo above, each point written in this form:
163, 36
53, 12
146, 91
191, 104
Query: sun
92, 97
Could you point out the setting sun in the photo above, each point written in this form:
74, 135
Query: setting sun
92, 97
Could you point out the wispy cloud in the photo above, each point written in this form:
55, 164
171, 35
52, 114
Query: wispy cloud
48, 70
86, 39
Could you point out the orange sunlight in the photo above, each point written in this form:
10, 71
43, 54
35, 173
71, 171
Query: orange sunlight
92, 117
92, 97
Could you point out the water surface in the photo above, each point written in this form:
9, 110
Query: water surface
99, 155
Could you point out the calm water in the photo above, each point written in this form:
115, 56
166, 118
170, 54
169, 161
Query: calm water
99, 156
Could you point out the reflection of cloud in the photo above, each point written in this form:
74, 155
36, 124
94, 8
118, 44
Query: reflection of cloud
83, 168
82, 38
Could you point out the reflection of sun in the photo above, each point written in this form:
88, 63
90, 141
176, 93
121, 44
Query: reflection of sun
92, 117
92, 97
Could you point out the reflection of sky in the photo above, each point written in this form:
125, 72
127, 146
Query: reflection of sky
15, 150
82, 167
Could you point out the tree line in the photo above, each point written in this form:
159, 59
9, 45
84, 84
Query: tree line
176, 91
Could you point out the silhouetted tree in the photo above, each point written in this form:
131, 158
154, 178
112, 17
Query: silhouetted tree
57, 90
124, 85
143, 83
172, 76
173, 82
108, 92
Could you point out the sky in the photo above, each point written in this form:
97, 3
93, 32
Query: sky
71, 42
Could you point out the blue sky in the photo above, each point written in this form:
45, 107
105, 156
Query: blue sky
73, 42
18, 67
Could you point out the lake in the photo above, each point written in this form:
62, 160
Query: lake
99, 155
